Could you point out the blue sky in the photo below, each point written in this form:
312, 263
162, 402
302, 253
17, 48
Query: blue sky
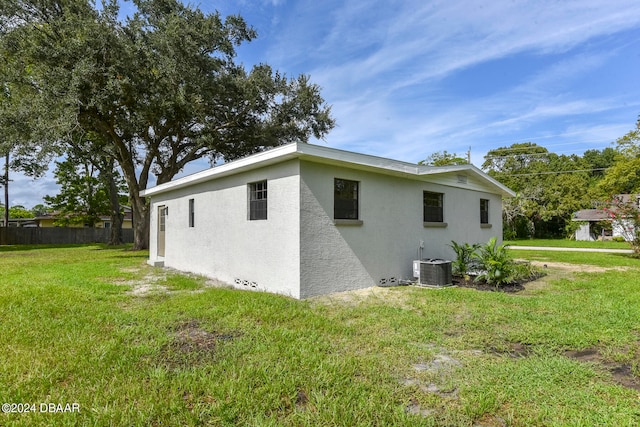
409, 78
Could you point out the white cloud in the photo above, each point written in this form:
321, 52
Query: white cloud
27, 192
425, 41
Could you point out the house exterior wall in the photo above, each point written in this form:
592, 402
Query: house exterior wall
583, 233
226, 245
126, 223
343, 257
50, 222
623, 228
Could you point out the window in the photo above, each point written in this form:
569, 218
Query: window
107, 224
484, 211
164, 212
192, 216
433, 211
345, 199
258, 200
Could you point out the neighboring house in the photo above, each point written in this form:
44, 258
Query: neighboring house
590, 218
20, 222
48, 220
305, 220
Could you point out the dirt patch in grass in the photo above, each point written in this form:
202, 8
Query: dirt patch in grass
622, 373
576, 268
514, 350
191, 345
432, 377
147, 284
489, 420
383, 294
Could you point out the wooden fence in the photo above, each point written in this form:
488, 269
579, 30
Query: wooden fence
58, 235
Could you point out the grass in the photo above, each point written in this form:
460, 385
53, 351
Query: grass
184, 353
589, 258
565, 243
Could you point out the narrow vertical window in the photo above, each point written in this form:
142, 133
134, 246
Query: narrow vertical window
345, 199
192, 216
484, 211
258, 200
164, 211
433, 207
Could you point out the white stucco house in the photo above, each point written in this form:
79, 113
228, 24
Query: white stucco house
305, 220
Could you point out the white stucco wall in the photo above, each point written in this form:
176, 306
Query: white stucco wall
343, 257
299, 251
224, 244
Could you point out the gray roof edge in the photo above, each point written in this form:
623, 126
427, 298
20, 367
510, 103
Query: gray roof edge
504, 190
313, 151
273, 155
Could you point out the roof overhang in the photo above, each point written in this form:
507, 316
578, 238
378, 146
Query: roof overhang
332, 156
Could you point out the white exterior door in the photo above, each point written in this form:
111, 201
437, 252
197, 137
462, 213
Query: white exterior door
162, 222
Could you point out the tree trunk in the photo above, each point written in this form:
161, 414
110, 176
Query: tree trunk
115, 238
139, 206
6, 190
140, 210
116, 216
107, 177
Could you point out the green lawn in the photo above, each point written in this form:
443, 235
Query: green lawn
133, 345
565, 243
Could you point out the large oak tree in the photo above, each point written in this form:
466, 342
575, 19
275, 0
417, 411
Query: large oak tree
160, 88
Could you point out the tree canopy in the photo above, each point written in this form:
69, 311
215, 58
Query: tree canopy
623, 177
160, 89
550, 188
84, 192
443, 158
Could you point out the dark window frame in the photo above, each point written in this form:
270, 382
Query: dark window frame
346, 199
484, 211
433, 206
258, 200
192, 215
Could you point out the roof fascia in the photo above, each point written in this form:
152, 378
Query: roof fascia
392, 167
254, 161
319, 154
503, 189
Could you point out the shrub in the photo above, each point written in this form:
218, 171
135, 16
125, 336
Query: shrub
465, 257
497, 266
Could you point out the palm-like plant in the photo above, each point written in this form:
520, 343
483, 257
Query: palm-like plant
465, 256
495, 262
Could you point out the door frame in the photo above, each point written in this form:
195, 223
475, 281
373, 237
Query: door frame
162, 226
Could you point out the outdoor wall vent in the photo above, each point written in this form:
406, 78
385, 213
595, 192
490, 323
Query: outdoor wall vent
462, 179
433, 272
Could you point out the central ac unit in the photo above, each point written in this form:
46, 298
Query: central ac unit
432, 272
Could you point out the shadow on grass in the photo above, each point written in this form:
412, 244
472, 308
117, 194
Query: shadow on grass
95, 246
